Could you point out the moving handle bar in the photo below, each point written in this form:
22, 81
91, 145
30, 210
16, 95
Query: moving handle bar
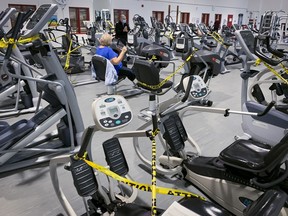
187, 91
225, 112
275, 52
264, 57
21, 18
86, 140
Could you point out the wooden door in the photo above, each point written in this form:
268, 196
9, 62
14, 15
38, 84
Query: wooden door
185, 18
229, 20
205, 18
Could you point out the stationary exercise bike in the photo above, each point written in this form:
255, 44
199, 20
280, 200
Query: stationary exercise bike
110, 113
273, 126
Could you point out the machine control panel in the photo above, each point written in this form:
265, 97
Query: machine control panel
198, 89
38, 20
111, 112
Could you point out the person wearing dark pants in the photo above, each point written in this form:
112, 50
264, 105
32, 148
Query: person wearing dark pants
122, 29
108, 53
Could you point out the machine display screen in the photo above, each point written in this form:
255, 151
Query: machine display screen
196, 86
37, 16
113, 110
180, 40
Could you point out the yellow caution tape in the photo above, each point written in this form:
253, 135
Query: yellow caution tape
258, 62
158, 86
153, 173
285, 81
271, 69
141, 186
218, 38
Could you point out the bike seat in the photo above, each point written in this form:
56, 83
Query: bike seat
228, 44
148, 77
254, 156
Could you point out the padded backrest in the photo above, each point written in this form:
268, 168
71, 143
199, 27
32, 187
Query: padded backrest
99, 63
277, 154
146, 72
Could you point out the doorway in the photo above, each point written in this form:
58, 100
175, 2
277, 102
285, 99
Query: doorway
218, 17
205, 18
185, 17
158, 15
118, 13
240, 19
229, 20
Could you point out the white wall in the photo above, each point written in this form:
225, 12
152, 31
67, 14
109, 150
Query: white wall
266, 5
261, 6
195, 8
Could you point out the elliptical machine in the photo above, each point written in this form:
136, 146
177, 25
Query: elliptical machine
17, 96
21, 144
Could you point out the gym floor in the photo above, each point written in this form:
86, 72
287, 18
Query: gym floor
31, 193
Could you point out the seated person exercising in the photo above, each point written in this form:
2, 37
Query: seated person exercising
105, 51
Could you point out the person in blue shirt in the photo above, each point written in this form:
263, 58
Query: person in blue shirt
108, 53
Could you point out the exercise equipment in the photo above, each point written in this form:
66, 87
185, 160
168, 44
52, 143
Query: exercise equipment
273, 126
17, 96
102, 202
174, 133
99, 65
21, 144
70, 54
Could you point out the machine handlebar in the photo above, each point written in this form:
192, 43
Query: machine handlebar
262, 56
15, 31
187, 90
268, 108
86, 140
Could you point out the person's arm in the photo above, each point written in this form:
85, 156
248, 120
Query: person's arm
117, 60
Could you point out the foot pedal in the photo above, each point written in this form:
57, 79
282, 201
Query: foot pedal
175, 133
83, 177
115, 157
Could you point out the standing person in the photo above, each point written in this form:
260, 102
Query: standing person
121, 29
216, 25
108, 53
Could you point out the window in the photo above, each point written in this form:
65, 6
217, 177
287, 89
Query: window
159, 15
185, 18
118, 13
20, 8
77, 16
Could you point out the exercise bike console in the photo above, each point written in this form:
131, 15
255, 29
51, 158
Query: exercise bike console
40, 17
111, 112
198, 88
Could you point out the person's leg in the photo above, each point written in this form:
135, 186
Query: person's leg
124, 71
